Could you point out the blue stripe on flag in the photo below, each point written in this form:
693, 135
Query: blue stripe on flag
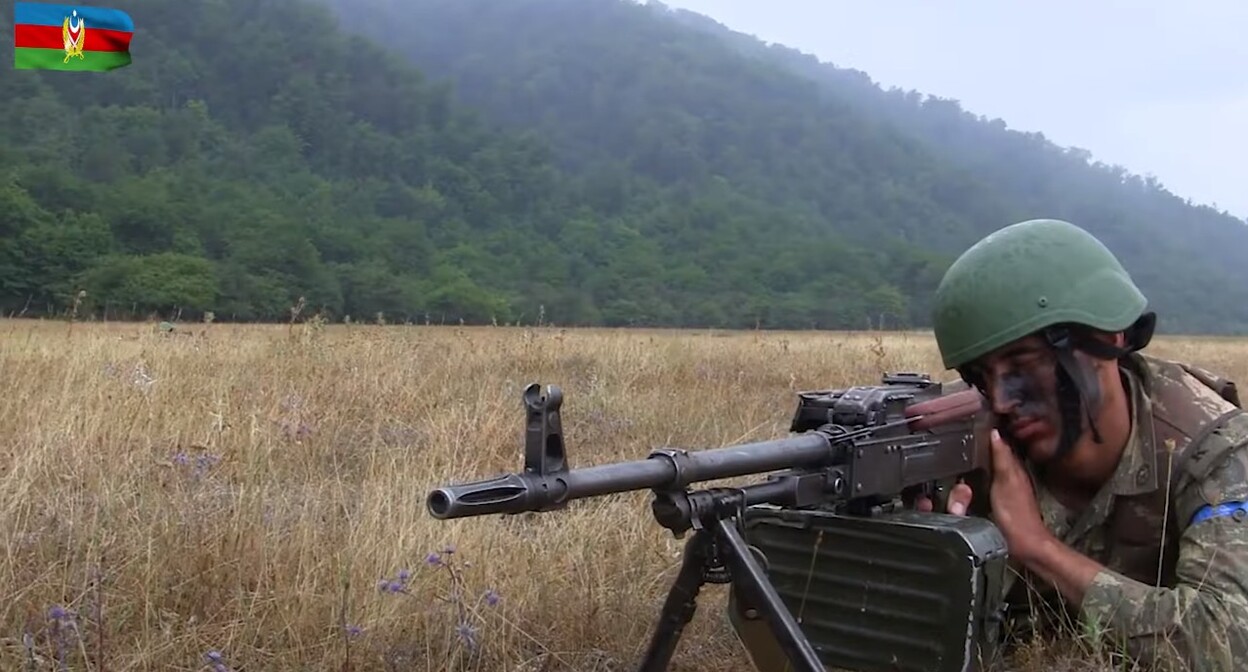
41, 14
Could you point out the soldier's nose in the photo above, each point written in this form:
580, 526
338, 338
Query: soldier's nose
1003, 403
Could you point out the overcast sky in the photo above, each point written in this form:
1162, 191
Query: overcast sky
1157, 86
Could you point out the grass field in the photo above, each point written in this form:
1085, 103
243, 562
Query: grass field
244, 489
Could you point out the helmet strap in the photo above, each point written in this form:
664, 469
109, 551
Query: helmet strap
1078, 387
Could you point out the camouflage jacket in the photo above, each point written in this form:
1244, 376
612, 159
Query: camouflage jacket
1170, 527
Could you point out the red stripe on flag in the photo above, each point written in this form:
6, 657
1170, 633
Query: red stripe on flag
50, 37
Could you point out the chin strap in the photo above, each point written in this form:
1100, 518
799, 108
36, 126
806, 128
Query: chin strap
1076, 383
1078, 387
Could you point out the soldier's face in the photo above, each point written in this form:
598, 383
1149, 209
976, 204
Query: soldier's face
1021, 384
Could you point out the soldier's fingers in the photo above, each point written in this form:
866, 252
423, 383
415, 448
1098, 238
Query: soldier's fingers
1004, 464
959, 499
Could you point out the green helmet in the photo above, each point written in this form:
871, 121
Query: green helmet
1026, 277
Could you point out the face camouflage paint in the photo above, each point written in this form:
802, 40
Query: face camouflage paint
1029, 400
1026, 391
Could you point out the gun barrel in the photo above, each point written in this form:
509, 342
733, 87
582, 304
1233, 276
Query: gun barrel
531, 491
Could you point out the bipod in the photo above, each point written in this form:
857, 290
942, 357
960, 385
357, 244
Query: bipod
717, 553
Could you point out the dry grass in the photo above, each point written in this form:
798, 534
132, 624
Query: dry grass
243, 489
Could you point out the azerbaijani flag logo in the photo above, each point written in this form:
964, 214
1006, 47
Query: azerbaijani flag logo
70, 37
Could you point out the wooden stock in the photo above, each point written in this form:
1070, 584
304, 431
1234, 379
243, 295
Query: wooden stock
954, 407
947, 408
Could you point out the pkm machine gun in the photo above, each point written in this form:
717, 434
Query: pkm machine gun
826, 564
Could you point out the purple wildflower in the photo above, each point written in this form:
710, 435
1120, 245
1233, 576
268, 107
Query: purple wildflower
467, 634
388, 586
63, 627
200, 464
491, 597
217, 661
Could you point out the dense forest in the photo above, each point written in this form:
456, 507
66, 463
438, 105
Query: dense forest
588, 161
635, 95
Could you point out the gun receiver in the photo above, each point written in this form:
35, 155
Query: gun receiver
858, 452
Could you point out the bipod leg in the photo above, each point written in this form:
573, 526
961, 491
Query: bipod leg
681, 602
750, 577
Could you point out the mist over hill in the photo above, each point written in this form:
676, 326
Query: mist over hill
632, 96
592, 162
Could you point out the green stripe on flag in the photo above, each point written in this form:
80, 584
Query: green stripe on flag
27, 58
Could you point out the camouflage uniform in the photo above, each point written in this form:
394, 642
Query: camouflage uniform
1170, 526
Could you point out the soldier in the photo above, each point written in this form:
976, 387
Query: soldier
1119, 479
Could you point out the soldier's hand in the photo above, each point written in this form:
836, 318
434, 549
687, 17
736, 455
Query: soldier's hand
959, 498
1014, 507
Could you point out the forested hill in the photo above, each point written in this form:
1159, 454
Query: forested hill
252, 155
256, 157
641, 102
590, 161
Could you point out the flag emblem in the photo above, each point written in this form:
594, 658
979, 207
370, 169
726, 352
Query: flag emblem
73, 32
70, 37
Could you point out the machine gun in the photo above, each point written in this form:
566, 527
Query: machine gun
827, 563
